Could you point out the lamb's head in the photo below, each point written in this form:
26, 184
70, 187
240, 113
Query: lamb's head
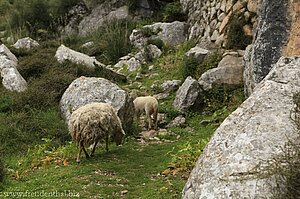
119, 136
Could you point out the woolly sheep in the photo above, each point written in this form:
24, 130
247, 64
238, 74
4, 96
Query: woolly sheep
149, 105
93, 122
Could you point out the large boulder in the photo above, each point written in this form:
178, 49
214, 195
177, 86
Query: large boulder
235, 162
188, 96
197, 53
229, 73
171, 34
64, 53
85, 90
101, 14
269, 40
11, 78
26, 43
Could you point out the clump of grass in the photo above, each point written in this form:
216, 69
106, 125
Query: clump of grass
112, 41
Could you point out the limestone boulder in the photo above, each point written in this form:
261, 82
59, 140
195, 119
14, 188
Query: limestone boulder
235, 162
64, 53
85, 90
197, 53
11, 78
229, 73
171, 34
189, 96
26, 43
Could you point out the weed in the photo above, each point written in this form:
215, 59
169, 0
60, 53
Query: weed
1, 172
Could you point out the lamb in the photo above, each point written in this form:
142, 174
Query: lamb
149, 105
93, 122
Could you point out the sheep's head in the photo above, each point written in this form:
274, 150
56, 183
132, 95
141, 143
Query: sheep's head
119, 136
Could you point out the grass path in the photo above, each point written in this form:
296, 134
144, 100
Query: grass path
129, 171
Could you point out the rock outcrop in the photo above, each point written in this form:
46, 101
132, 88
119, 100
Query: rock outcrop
188, 96
234, 163
85, 90
269, 42
11, 78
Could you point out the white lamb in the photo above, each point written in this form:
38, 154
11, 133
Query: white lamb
93, 122
149, 105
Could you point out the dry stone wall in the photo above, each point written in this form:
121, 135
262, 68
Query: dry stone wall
208, 19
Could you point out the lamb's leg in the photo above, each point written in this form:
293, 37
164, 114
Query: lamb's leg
148, 115
155, 119
94, 148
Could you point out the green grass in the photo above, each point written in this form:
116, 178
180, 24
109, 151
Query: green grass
133, 167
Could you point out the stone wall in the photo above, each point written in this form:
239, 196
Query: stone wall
208, 19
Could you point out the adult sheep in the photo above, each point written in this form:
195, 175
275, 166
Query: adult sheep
149, 105
93, 122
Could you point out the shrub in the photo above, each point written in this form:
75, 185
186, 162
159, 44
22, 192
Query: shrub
173, 12
189, 66
236, 38
157, 42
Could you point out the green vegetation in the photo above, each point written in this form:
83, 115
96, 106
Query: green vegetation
36, 149
236, 38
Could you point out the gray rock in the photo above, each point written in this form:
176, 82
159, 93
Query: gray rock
189, 96
272, 23
7, 53
85, 90
64, 53
197, 53
170, 85
26, 43
234, 164
178, 121
88, 44
152, 52
131, 63
101, 14
11, 78
229, 73
171, 34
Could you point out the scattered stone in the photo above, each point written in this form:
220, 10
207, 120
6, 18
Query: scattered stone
197, 53
229, 72
11, 78
26, 43
64, 53
189, 96
178, 121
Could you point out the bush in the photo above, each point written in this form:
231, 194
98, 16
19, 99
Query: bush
236, 38
173, 12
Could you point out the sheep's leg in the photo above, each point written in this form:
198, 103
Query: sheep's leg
94, 148
78, 155
106, 143
85, 152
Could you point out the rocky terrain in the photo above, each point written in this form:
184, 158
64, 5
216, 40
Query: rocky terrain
198, 59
